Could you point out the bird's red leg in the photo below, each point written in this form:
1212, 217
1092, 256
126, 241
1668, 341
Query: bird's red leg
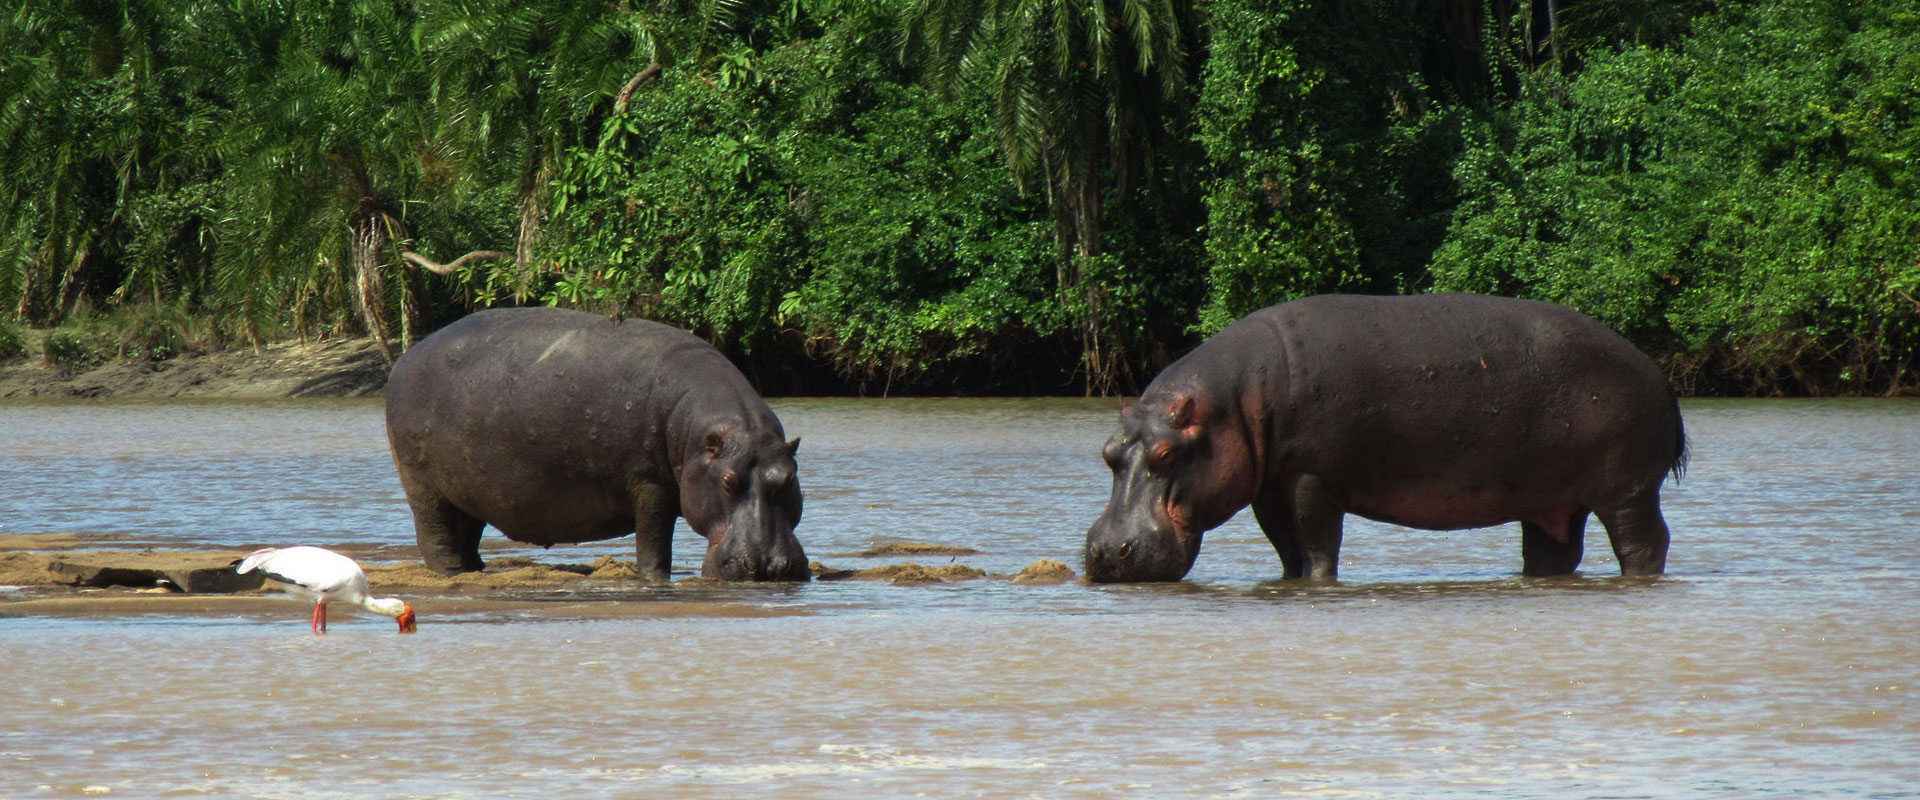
319, 618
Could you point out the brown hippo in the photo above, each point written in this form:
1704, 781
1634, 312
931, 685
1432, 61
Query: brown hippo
1439, 412
561, 426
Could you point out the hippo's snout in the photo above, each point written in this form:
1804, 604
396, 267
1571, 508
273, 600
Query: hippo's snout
1147, 556
763, 569
768, 556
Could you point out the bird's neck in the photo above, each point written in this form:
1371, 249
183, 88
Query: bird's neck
389, 606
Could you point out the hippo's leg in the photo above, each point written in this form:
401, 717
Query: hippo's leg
449, 538
1639, 535
1553, 551
1275, 516
1304, 529
654, 510
1320, 521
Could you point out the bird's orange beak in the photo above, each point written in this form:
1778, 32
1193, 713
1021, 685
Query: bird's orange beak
406, 620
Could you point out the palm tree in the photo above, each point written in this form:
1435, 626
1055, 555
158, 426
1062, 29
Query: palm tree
1074, 88
332, 145
515, 83
44, 168
1081, 94
91, 119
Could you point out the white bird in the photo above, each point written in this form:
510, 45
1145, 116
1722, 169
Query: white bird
324, 576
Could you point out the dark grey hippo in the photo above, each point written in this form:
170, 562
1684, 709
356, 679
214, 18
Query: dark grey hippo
561, 426
1439, 412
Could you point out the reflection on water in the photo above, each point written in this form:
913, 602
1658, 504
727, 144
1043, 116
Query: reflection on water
1775, 660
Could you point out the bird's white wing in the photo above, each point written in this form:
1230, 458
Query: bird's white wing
312, 568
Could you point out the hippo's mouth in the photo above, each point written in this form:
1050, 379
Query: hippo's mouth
1180, 524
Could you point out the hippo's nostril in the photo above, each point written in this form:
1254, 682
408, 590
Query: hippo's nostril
1126, 551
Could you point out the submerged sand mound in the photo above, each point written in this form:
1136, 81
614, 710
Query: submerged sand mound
1043, 572
512, 572
885, 549
900, 573
918, 573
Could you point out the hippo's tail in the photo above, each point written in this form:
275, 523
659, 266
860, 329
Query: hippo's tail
1681, 451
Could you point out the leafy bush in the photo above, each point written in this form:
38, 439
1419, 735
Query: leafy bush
1328, 172
156, 331
78, 350
13, 341
812, 191
1743, 201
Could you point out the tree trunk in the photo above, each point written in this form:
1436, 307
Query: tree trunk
370, 236
626, 92
1095, 348
1553, 32
532, 209
67, 297
412, 286
533, 213
453, 266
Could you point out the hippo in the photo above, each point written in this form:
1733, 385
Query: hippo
1439, 412
562, 426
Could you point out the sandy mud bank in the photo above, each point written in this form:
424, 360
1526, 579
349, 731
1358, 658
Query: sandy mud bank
76, 575
325, 368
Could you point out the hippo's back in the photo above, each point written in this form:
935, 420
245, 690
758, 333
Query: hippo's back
500, 348
1469, 393
1446, 343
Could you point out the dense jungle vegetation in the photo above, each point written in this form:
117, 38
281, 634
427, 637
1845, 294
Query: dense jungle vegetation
972, 196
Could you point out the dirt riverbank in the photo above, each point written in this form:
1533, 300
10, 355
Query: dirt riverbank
324, 368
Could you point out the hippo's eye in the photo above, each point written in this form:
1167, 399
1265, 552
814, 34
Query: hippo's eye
1111, 453
730, 482
1160, 457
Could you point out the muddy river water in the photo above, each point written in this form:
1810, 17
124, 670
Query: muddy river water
1779, 657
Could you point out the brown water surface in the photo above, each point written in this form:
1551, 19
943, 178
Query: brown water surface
1777, 659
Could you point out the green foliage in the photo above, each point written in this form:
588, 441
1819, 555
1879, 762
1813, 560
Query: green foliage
667, 215
1326, 162
1088, 99
77, 349
1744, 200
157, 331
920, 249
806, 189
1060, 77
105, 122
1731, 185
13, 341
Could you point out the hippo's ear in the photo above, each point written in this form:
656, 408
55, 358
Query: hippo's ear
793, 447
1181, 411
